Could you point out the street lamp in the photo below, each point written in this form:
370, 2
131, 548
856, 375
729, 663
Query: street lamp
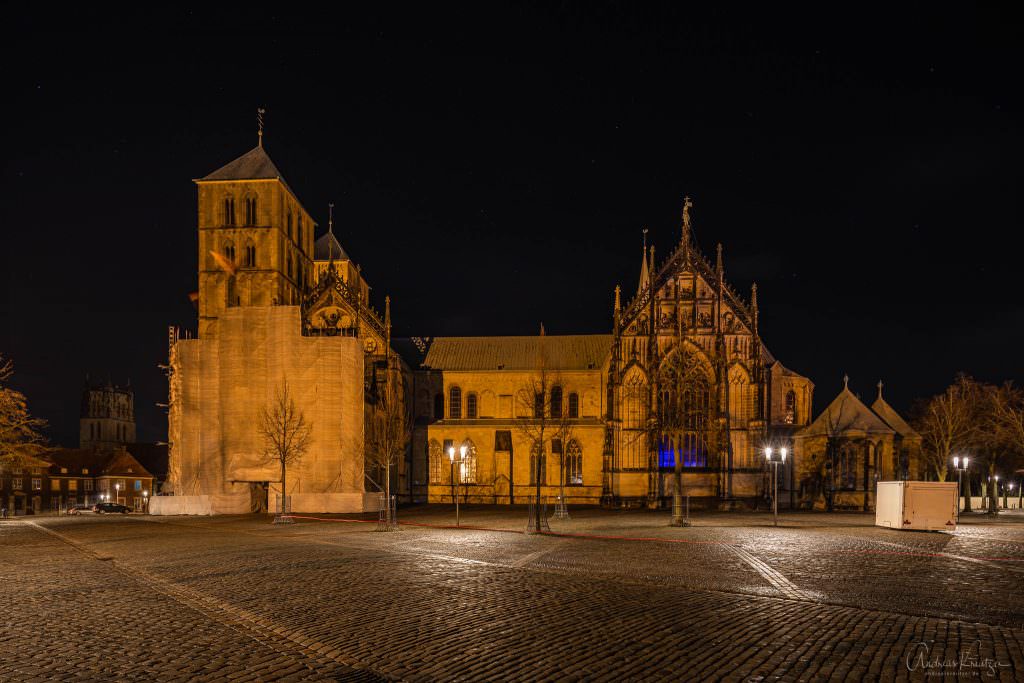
768, 453
145, 500
117, 493
996, 498
455, 477
960, 465
1007, 485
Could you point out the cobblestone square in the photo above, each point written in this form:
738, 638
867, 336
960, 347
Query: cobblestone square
607, 596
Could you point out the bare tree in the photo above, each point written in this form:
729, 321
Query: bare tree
683, 414
563, 430
949, 422
1000, 440
286, 435
20, 437
390, 429
534, 421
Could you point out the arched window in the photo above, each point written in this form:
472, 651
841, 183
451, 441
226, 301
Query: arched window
229, 210
455, 403
435, 459
789, 414
556, 401
696, 408
467, 471
574, 405
438, 406
250, 211
288, 265
574, 464
298, 232
538, 405
471, 405
538, 465
250, 254
229, 251
635, 399
289, 222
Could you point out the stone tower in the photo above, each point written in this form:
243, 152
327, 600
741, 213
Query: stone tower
107, 417
255, 239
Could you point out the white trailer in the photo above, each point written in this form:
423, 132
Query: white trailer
923, 505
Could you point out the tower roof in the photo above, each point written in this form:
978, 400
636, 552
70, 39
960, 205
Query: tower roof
253, 165
327, 247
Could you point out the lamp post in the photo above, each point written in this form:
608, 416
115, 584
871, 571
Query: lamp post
145, 501
995, 496
960, 465
768, 454
117, 493
455, 476
1008, 485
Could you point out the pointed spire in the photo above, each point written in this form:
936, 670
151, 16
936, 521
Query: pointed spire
687, 205
618, 300
387, 320
643, 267
753, 297
846, 382
330, 231
650, 271
542, 329
259, 122
719, 268
880, 390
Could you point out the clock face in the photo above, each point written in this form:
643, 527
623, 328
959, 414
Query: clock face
370, 346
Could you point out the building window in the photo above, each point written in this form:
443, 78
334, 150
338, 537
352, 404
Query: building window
87, 485
250, 211
229, 210
435, 457
229, 251
538, 405
438, 406
37, 484
72, 484
138, 484
574, 464
298, 233
250, 254
538, 466
574, 405
467, 471
288, 265
471, 405
455, 403
556, 401
790, 413
289, 223
16, 484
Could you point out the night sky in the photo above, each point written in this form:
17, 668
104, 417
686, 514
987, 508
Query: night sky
493, 169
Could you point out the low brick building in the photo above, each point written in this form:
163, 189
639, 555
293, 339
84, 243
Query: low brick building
86, 476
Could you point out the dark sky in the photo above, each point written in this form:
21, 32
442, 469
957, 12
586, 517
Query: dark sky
493, 168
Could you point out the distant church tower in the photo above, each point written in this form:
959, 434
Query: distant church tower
108, 416
255, 239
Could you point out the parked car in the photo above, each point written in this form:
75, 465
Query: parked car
100, 508
79, 509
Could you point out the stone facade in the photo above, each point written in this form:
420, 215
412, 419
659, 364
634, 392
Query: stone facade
107, 418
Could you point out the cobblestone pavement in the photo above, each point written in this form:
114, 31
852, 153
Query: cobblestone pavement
611, 596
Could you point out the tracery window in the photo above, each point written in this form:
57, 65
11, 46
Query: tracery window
538, 465
556, 401
455, 403
229, 251
229, 210
471, 402
250, 211
435, 458
574, 405
574, 464
467, 471
789, 415
250, 254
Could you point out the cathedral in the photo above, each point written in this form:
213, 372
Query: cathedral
679, 388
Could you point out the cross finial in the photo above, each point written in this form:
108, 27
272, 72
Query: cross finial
330, 217
645, 240
259, 122
846, 381
879, 389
